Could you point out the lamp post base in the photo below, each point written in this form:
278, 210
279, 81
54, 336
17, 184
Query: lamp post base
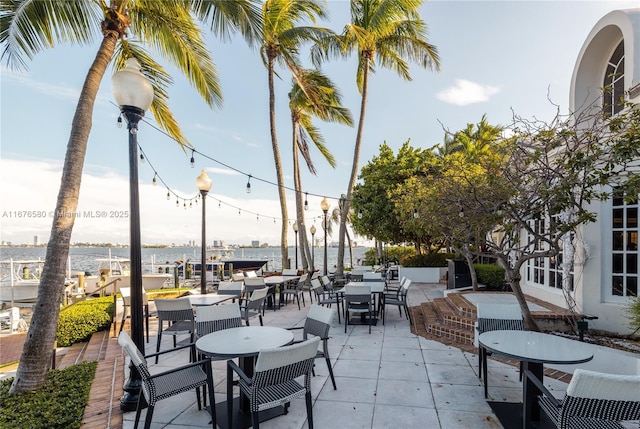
132, 392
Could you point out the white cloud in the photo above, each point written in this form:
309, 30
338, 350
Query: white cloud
30, 188
465, 92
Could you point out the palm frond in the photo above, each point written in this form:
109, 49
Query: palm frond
170, 28
30, 26
160, 80
227, 17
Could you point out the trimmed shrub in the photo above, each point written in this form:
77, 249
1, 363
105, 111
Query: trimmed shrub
634, 313
78, 322
436, 259
393, 254
58, 405
490, 275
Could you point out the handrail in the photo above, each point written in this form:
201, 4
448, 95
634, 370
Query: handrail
100, 289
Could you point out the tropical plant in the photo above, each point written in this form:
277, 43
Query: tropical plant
280, 42
124, 27
392, 32
303, 109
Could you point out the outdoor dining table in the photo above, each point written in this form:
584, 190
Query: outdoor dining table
210, 299
281, 282
244, 343
534, 349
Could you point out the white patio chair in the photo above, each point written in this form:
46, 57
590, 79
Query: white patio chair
494, 317
169, 383
274, 382
594, 400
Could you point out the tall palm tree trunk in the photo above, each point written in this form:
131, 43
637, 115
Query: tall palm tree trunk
278, 162
38, 347
354, 174
297, 184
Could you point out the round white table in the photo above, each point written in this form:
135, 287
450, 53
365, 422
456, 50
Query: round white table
245, 343
534, 349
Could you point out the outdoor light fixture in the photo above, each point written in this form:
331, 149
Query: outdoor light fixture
249, 184
313, 245
193, 160
203, 183
306, 203
324, 205
295, 229
134, 94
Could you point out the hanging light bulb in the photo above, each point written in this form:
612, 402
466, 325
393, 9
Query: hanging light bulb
119, 121
249, 184
142, 158
177, 203
154, 182
219, 204
190, 204
306, 203
193, 161
274, 220
258, 218
185, 204
168, 195
239, 212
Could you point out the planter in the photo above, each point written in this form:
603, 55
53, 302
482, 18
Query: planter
423, 274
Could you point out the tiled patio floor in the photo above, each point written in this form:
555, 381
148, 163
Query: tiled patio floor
389, 378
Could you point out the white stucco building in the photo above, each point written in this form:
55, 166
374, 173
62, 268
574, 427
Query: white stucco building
607, 265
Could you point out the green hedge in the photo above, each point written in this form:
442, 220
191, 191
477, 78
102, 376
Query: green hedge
79, 321
436, 259
58, 405
490, 275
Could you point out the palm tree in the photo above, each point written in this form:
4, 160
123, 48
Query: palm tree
302, 111
280, 42
168, 26
390, 31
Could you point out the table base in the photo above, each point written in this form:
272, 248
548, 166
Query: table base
241, 420
361, 321
510, 416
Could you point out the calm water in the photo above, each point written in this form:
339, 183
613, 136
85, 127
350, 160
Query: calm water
84, 258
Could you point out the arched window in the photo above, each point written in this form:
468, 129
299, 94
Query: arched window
613, 84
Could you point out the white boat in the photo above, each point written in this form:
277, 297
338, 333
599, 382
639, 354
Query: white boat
111, 269
19, 281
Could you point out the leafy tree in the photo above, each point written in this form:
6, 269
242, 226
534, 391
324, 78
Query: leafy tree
392, 32
303, 109
540, 196
280, 40
124, 27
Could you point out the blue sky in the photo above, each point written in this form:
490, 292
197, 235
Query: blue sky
497, 58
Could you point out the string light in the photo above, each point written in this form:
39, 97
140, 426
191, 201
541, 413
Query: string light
142, 158
249, 184
193, 161
168, 194
177, 203
154, 182
185, 205
306, 203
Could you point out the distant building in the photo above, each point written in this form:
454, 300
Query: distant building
36, 240
255, 243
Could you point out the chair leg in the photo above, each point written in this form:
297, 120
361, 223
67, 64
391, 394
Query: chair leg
298, 299
484, 374
158, 343
147, 420
138, 410
307, 397
480, 362
333, 379
260, 317
255, 420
